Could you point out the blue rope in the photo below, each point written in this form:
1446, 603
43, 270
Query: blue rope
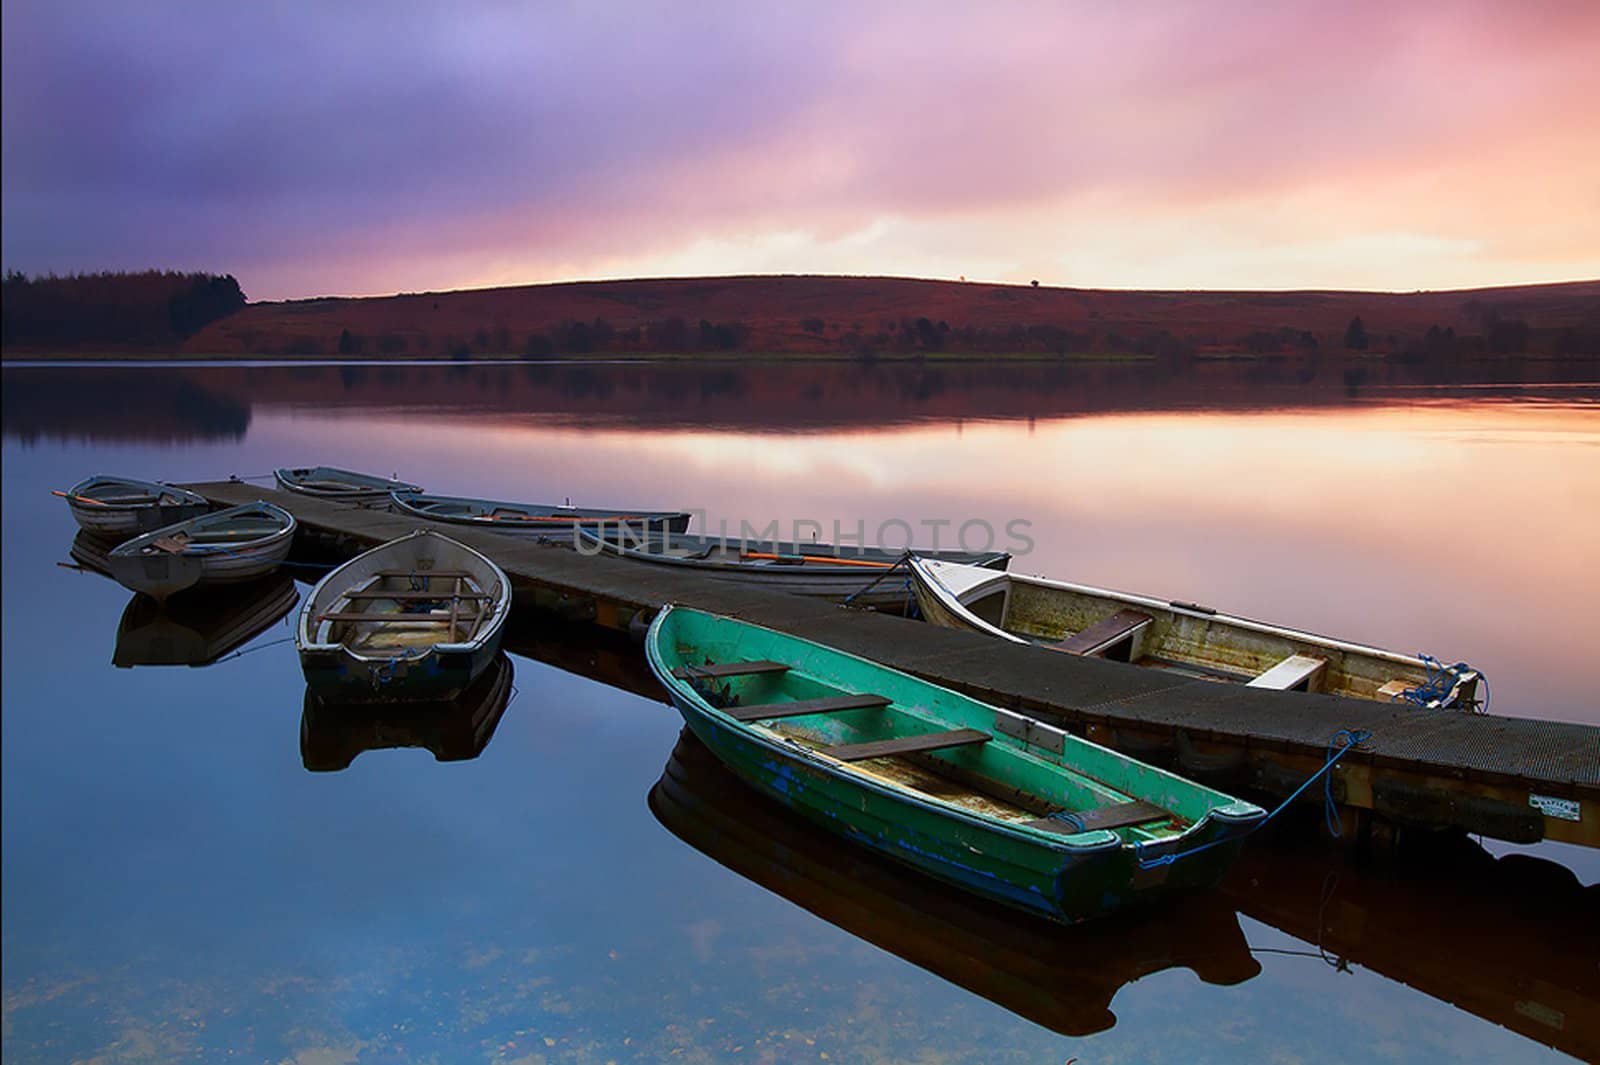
385, 673
1440, 680
1336, 751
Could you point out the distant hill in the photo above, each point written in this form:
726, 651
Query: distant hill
869, 317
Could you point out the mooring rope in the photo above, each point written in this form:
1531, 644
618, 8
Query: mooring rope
898, 563
252, 650
1440, 681
1337, 962
1336, 750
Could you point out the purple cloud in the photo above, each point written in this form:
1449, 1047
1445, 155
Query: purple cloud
310, 147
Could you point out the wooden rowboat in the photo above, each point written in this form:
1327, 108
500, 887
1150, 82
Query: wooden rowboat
1062, 978
867, 576
990, 801
115, 508
332, 734
415, 619
227, 547
526, 519
199, 628
1178, 636
348, 486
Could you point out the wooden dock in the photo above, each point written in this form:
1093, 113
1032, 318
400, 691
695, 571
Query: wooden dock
1515, 779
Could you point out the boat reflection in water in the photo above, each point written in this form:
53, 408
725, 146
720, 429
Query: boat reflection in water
1060, 977
1514, 940
89, 552
199, 628
455, 730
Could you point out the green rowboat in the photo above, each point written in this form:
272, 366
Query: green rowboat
990, 801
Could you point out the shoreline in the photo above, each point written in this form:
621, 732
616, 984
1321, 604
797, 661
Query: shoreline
90, 360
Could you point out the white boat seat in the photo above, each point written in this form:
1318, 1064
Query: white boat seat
1297, 672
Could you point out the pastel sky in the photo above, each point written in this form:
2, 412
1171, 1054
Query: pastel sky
314, 148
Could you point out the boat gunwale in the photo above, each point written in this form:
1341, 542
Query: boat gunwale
369, 485
489, 627
586, 515
135, 546
186, 498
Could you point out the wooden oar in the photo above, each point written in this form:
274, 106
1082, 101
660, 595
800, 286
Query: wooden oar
828, 559
565, 520
82, 499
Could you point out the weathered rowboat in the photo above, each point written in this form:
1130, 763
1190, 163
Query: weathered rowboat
415, 619
1170, 634
115, 508
867, 576
199, 628
526, 519
347, 486
993, 802
226, 547
1061, 978
332, 734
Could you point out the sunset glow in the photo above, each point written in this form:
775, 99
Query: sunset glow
366, 150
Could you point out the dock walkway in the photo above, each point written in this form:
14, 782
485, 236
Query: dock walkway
1510, 778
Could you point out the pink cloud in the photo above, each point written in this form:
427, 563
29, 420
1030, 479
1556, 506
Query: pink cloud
524, 145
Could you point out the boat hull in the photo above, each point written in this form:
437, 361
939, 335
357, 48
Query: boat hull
162, 575
342, 676
1042, 880
1184, 636
1062, 878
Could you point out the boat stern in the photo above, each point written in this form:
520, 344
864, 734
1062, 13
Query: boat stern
156, 575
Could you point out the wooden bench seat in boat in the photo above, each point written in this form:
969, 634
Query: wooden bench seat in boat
718, 670
390, 619
1121, 815
800, 707
1104, 634
416, 596
423, 573
928, 741
1296, 671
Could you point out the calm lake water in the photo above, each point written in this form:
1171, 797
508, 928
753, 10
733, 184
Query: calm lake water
180, 886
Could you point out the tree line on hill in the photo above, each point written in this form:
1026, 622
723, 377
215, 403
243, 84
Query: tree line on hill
144, 309
921, 336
